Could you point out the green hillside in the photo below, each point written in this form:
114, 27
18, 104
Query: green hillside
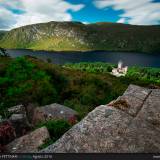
2, 33
76, 36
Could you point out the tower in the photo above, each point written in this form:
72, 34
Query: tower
120, 63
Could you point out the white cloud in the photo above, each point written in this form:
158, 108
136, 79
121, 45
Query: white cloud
141, 12
35, 11
7, 19
85, 22
14, 4
121, 20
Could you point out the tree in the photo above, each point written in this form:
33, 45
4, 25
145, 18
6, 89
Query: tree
3, 52
25, 83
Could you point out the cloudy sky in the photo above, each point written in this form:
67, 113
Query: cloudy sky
15, 13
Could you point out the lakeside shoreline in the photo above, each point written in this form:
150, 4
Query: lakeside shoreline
128, 58
82, 51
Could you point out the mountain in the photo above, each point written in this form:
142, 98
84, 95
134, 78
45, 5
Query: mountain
76, 36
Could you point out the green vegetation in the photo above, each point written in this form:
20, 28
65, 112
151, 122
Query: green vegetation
97, 67
75, 36
58, 44
3, 52
22, 82
56, 129
150, 75
136, 75
81, 87
29, 80
2, 33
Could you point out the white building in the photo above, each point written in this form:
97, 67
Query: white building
120, 71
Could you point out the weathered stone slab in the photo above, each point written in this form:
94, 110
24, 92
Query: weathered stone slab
150, 112
20, 123
133, 104
132, 100
30, 111
140, 137
98, 132
29, 143
16, 109
136, 91
54, 112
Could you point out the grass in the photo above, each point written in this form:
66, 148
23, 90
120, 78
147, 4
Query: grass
59, 44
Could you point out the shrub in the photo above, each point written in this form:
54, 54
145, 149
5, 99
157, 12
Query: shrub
97, 67
7, 133
3, 52
56, 128
144, 74
49, 60
24, 82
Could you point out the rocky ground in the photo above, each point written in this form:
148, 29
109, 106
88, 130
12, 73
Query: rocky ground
129, 124
17, 133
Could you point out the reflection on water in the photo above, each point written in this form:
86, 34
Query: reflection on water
129, 59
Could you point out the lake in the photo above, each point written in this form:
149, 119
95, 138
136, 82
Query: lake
128, 58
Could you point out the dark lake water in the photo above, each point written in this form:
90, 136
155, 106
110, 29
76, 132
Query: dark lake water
130, 59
